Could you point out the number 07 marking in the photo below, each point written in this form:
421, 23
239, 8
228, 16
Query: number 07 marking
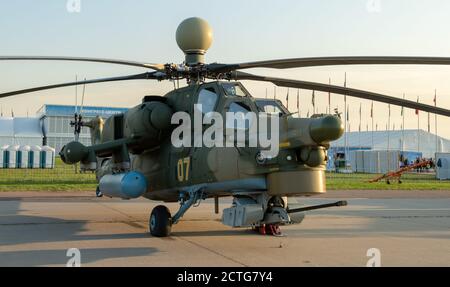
183, 169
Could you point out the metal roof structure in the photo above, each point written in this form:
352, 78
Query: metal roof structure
88, 111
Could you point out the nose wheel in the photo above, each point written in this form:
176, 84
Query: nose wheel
160, 222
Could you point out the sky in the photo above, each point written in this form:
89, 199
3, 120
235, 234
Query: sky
244, 31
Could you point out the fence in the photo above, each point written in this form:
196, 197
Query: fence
61, 177
66, 177
414, 176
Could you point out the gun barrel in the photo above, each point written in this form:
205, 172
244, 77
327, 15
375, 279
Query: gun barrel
307, 208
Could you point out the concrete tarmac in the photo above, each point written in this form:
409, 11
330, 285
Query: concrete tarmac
37, 229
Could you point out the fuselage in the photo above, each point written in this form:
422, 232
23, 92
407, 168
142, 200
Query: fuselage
222, 171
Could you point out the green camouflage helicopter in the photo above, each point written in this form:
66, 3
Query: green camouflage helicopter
134, 153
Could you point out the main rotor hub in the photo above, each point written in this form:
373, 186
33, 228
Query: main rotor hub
194, 36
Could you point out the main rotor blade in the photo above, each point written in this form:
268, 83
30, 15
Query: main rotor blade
329, 61
343, 91
157, 67
143, 76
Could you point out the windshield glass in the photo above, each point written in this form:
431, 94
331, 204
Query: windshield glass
208, 99
240, 120
271, 107
233, 90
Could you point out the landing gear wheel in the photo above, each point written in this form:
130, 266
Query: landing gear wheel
98, 193
160, 222
269, 229
273, 229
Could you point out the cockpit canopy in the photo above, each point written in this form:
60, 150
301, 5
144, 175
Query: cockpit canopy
271, 106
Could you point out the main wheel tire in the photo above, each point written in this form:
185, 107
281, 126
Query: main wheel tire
160, 222
98, 193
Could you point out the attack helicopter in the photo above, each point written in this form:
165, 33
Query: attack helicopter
133, 153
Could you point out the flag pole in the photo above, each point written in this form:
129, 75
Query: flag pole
360, 122
76, 95
435, 123
389, 128
371, 115
418, 128
287, 99
403, 126
418, 133
329, 97
389, 136
346, 120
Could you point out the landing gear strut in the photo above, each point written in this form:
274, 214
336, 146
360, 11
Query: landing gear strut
161, 221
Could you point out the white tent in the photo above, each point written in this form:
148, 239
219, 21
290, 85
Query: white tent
27, 127
6, 127
20, 131
407, 140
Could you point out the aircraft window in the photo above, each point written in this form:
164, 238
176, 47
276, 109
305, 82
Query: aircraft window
233, 90
208, 99
270, 107
239, 107
240, 122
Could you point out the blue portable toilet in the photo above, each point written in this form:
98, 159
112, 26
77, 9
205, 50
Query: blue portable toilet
34, 159
4, 157
23, 156
12, 152
47, 157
